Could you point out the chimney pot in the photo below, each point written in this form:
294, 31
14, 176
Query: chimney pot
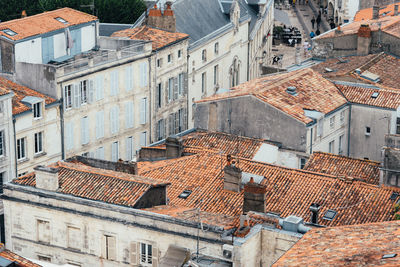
46, 178
396, 10
375, 12
23, 15
254, 197
232, 178
314, 212
173, 147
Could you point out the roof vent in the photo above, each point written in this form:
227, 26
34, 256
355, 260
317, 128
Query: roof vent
388, 256
61, 20
375, 94
9, 32
328, 70
291, 90
330, 215
185, 194
394, 196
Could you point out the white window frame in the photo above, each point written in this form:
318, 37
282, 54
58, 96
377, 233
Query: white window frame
216, 71
146, 254
169, 58
2, 144
68, 96
180, 84
38, 137
216, 48
21, 148
37, 110
332, 122
129, 148
203, 82
204, 55
170, 89
331, 148
341, 139
84, 90
342, 117
179, 53
115, 155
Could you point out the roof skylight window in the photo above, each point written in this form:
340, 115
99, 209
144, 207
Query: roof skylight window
330, 215
185, 194
9, 32
388, 256
394, 196
375, 94
62, 20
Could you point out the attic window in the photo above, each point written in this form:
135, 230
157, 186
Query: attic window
9, 32
62, 20
375, 94
330, 215
185, 194
394, 196
388, 256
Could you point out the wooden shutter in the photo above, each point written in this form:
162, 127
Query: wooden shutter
64, 98
83, 134
100, 124
185, 83
77, 96
134, 255
158, 130
91, 91
103, 246
129, 150
175, 88
99, 87
129, 114
185, 115
112, 250
166, 92
156, 97
176, 122
171, 127
143, 111
143, 137
116, 114
154, 252
116, 80
145, 73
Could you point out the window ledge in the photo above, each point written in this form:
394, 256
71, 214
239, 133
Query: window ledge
40, 154
23, 160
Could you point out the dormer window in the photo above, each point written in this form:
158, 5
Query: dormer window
62, 20
9, 32
37, 110
204, 55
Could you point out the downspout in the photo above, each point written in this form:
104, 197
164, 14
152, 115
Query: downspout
15, 148
156, 87
348, 133
150, 102
311, 139
248, 59
61, 107
187, 89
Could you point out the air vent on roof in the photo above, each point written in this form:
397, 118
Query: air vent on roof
375, 94
291, 90
61, 20
185, 194
341, 60
9, 32
388, 256
330, 215
328, 70
394, 196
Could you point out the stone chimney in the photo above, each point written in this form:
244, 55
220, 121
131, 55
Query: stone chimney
363, 40
314, 208
173, 148
46, 178
232, 176
396, 10
23, 14
165, 21
254, 197
390, 167
375, 12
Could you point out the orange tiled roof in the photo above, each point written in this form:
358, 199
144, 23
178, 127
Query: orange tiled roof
361, 95
159, 38
20, 92
20, 261
97, 184
356, 245
289, 191
365, 170
389, 24
314, 93
366, 13
44, 22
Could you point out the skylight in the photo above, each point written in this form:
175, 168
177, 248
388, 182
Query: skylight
388, 256
185, 194
394, 196
9, 32
375, 94
330, 215
62, 20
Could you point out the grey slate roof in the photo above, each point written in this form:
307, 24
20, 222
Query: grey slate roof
106, 29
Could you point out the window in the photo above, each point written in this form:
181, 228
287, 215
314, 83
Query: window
114, 88
21, 148
2, 176
38, 142
159, 95
129, 78
169, 58
83, 87
69, 135
146, 253
74, 237
203, 82
114, 119
204, 55
160, 129
85, 130
129, 122
143, 110
109, 247
99, 87
9, 32
398, 126
332, 146
367, 130
68, 96
143, 74
215, 74
44, 258
86, 155
143, 139
180, 84
114, 151
332, 122
100, 153
99, 124
179, 53
342, 117
341, 138
43, 231
320, 127
180, 120
216, 48
2, 144
302, 163
1, 106
170, 89
159, 61
62, 20
37, 110
129, 148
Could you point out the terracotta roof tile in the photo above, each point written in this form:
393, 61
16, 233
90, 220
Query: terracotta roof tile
385, 98
20, 261
313, 93
366, 13
44, 22
365, 170
356, 245
98, 184
289, 191
20, 92
159, 38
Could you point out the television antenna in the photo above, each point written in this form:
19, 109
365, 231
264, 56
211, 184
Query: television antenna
91, 6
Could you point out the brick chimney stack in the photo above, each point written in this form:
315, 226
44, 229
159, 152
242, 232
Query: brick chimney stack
165, 21
396, 10
254, 197
363, 40
232, 176
375, 12
46, 178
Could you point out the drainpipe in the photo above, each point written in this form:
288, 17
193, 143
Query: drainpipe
15, 148
311, 139
248, 60
187, 89
156, 87
348, 133
61, 107
150, 102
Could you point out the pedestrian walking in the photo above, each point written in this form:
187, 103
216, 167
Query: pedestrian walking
313, 22
318, 20
305, 48
318, 32
332, 24
312, 34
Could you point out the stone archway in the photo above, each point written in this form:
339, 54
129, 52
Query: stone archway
324, 4
330, 11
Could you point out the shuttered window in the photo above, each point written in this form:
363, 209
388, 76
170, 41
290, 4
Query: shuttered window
109, 247
170, 89
129, 78
129, 148
114, 151
180, 84
143, 139
68, 96
77, 96
129, 121
114, 119
143, 111
99, 86
84, 130
69, 135
43, 231
100, 153
143, 74
114, 88
99, 124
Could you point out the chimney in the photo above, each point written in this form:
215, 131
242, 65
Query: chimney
375, 12
232, 176
173, 147
46, 178
396, 10
314, 212
254, 197
390, 166
23, 14
157, 19
363, 40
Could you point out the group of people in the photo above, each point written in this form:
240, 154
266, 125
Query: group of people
313, 21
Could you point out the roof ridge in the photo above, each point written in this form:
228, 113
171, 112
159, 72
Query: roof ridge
343, 156
172, 161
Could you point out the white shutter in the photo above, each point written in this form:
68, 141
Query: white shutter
64, 98
84, 130
112, 120
116, 80
100, 124
143, 137
134, 253
77, 96
175, 88
128, 78
145, 73
143, 111
91, 91
154, 253
116, 119
100, 153
99, 87
112, 250
114, 151
129, 114
129, 144
69, 135
113, 82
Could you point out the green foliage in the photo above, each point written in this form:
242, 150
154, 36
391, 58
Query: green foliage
115, 11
